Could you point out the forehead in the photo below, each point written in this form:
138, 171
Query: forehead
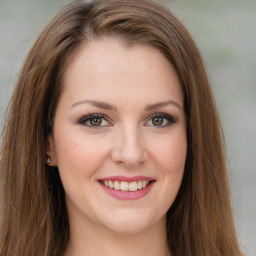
108, 68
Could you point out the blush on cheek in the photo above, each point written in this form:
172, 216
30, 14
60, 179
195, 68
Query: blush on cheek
174, 153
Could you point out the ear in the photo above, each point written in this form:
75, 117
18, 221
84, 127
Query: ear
51, 159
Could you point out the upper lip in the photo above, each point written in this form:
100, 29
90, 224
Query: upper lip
127, 179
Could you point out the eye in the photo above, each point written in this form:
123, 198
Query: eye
160, 120
94, 120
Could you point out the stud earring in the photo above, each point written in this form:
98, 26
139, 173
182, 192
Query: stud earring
48, 158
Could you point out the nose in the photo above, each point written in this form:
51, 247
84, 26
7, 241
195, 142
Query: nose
128, 147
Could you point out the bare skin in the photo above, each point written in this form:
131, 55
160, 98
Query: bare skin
121, 113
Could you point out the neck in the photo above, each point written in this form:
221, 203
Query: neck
92, 242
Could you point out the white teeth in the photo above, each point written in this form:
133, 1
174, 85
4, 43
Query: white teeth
126, 186
110, 184
139, 184
116, 185
144, 183
133, 186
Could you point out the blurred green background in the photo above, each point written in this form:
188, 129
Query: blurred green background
225, 32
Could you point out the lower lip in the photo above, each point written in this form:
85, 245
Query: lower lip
128, 195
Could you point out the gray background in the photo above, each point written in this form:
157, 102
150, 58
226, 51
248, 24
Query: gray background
225, 32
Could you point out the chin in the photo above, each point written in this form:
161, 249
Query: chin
130, 223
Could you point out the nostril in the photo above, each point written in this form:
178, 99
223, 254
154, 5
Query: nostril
128, 148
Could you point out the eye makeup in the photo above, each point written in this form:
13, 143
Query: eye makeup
97, 120
160, 120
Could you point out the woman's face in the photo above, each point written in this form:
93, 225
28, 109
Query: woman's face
119, 137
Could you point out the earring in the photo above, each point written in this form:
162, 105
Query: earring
48, 158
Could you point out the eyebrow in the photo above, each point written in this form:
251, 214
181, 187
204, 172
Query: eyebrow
107, 106
162, 104
96, 103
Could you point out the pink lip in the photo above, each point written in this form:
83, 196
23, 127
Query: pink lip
128, 179
128, 195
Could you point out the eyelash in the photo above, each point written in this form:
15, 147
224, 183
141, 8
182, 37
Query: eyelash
170, 120
90, 117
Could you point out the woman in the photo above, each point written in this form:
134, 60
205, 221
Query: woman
117, 144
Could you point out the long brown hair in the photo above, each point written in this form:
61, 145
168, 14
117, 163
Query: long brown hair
33, 212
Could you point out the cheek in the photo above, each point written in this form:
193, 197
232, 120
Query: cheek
171, 152
172, 158
79, 155
168, 157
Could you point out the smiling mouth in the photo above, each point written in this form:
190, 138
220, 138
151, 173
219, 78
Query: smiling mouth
126, 186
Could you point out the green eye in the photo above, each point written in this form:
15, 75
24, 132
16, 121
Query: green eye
158, 121
96, 121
